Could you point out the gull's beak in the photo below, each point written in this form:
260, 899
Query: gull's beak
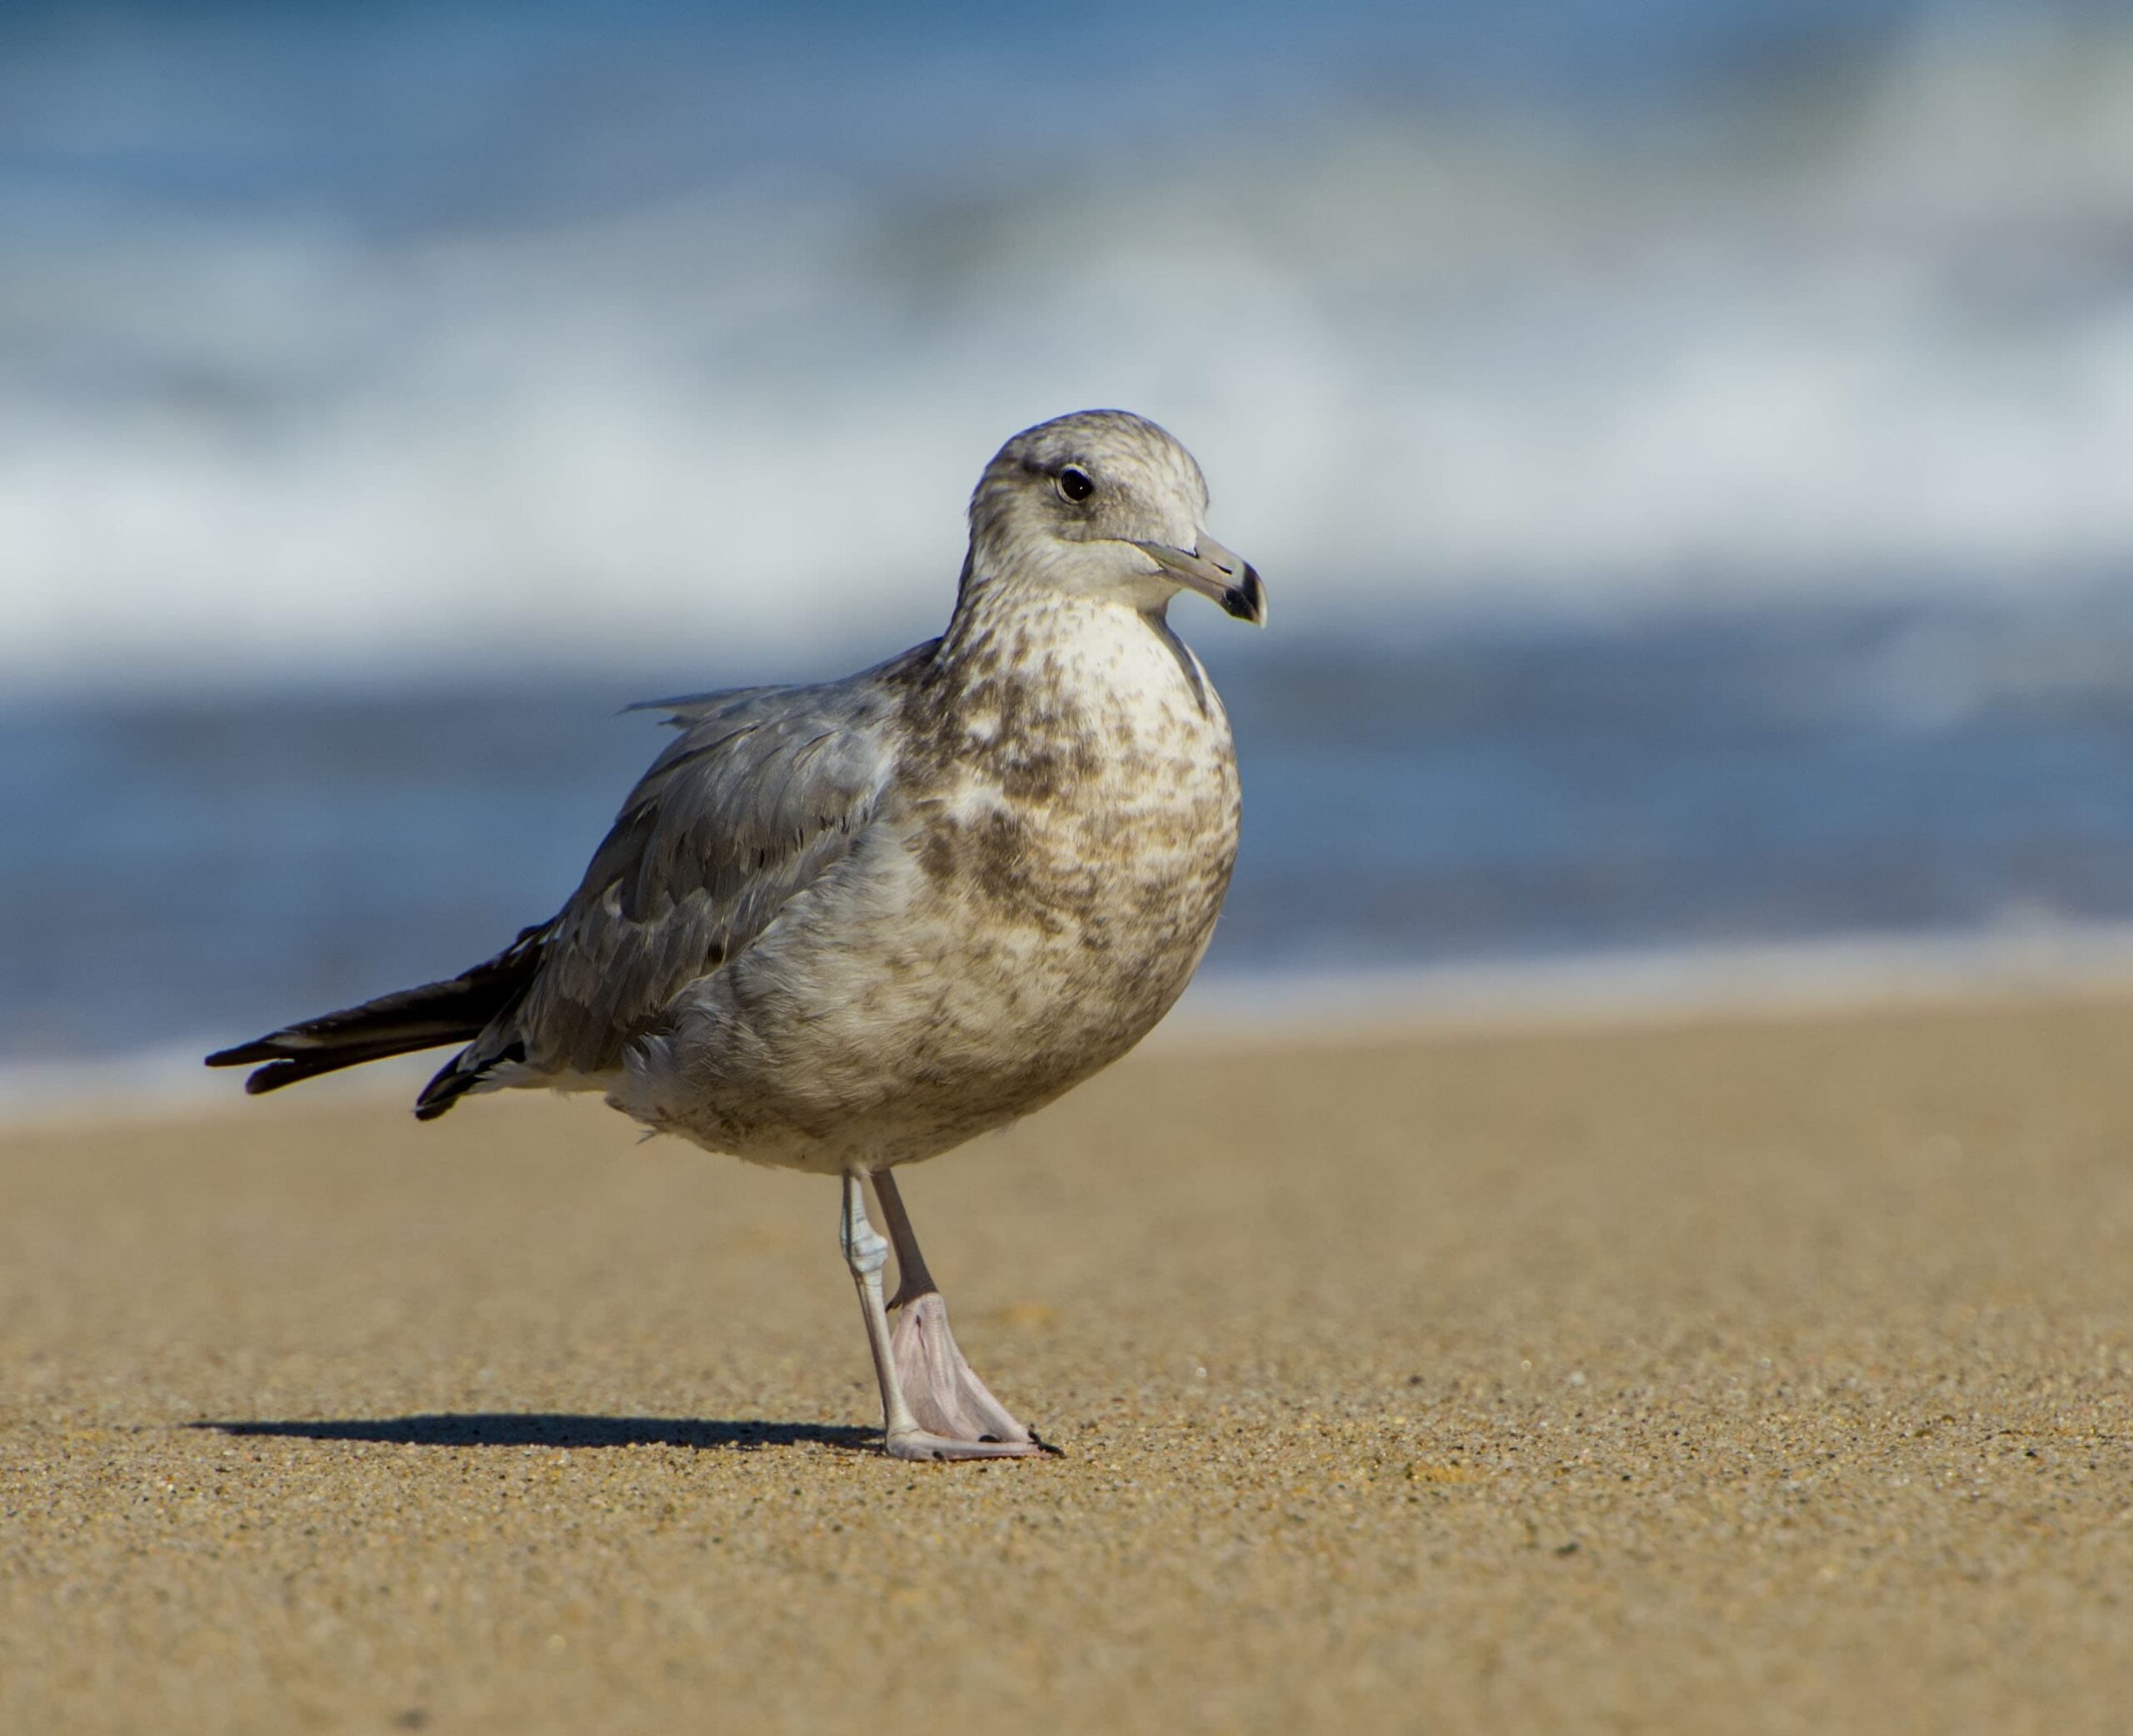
1215, 572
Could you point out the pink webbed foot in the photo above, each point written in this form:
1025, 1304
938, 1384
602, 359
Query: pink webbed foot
954, 1413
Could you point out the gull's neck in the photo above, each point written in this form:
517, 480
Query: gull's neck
1005, 613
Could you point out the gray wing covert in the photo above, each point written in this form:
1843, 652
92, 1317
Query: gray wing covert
765, 790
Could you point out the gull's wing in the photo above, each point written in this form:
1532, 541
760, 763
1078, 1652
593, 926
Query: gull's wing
764, 791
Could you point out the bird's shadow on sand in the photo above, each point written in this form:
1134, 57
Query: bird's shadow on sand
536, 1429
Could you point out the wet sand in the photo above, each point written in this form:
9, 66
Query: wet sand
1768, 1375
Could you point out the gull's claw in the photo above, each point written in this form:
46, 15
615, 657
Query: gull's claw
918, 1444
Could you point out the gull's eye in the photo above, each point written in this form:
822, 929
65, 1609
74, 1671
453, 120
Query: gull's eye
1076, 483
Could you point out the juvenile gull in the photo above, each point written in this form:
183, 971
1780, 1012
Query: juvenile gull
846, 927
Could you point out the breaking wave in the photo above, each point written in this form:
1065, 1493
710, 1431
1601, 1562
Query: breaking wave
1865, 325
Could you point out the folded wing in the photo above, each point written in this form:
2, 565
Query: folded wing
764, 790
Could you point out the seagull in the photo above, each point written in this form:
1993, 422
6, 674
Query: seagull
845, 927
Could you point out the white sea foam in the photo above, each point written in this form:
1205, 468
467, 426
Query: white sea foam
1875, 335
2043, 960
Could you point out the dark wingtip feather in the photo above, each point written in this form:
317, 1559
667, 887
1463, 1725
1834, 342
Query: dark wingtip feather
273, 1077
426, 1017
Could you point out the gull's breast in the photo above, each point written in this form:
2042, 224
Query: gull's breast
1076, 846
1065, 823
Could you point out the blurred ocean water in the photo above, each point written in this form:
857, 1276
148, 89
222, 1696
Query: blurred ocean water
333, 337
191, 868
1690, 448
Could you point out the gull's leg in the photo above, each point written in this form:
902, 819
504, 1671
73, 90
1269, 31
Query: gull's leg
943, 1392
866, 1253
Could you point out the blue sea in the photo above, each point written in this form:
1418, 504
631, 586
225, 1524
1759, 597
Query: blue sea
195, 868
1689, 448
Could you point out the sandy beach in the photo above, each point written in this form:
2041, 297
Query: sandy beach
1763, 1373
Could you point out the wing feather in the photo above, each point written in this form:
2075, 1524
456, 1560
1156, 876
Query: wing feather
763, 791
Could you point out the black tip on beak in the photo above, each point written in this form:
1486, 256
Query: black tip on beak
1246, 599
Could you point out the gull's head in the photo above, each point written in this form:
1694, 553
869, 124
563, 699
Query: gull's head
1104, 503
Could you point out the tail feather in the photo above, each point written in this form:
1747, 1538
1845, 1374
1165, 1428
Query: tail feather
457, 1011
